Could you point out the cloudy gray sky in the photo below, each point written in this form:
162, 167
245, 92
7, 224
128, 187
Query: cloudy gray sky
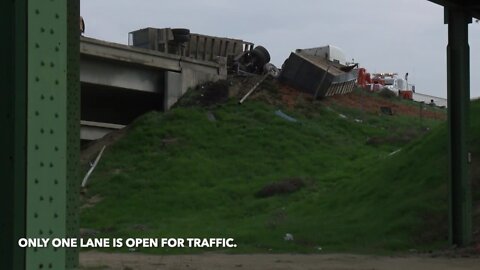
382, 35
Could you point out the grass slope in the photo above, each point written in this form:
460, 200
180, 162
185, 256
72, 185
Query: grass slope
180, 174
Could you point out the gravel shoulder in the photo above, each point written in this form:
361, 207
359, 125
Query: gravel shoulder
98, 260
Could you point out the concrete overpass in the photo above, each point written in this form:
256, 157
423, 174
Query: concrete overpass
121, 82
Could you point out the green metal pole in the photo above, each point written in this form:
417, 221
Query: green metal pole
458, 60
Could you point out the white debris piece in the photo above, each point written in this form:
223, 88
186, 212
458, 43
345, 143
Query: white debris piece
288, 237
395, 152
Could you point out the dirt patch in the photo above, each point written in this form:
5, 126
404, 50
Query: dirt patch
206, 94
286, 186
275, 93
241, 85
116, 261
291, 97
213, 93
269, 91
372, 104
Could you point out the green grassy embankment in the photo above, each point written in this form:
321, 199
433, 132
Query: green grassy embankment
181, 174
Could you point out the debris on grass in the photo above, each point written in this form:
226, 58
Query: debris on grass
288, 237
253, 88
358, 121
395, 152
386, 110
285, 116
92, 167
91, 150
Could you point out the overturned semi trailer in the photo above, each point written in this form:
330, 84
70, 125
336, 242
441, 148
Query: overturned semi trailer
180, 41
239, 56
318, 75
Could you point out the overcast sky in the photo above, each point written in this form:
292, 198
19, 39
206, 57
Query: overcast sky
382, 35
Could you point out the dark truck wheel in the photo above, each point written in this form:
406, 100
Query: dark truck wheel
261, 55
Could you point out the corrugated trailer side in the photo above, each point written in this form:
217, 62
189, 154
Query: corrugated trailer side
305, 75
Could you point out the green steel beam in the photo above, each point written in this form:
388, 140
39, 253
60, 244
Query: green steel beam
458, 61
12, 138
40, 142
73, 128
52, 129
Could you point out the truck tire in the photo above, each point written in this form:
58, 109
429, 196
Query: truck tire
262, 55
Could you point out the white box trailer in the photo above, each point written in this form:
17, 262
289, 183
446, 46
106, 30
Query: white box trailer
329, 52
